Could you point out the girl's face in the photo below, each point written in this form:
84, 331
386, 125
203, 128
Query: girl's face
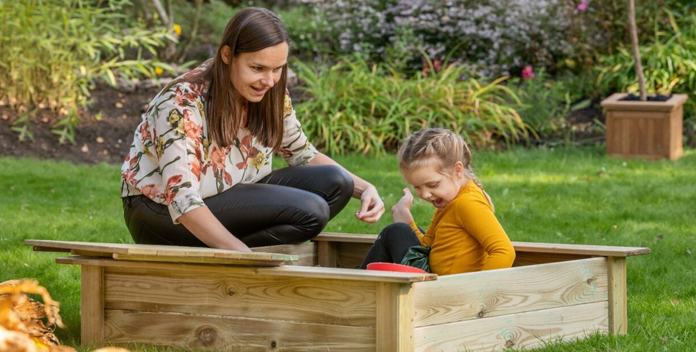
433, 186
254, 74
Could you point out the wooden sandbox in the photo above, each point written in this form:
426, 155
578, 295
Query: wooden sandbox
200, 298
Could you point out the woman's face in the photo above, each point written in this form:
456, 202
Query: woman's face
253, 74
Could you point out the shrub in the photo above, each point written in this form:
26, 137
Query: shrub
602, 28
669, 65
354, 106
547, 101
497, 36
53, 50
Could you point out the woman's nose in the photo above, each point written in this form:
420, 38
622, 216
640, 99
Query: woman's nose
268, 80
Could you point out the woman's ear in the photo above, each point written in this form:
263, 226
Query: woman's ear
226, 54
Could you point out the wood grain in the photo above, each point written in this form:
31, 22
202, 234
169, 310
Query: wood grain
92, 305
192, 332
299, 299
395, 317
306, 252
288, 270
484, 294
618, 310
160, 252
531, 258
522, 330
530, 247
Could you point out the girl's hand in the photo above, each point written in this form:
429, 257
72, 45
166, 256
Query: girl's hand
402, 209
372, 206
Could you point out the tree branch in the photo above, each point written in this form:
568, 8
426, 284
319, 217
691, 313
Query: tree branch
636, 52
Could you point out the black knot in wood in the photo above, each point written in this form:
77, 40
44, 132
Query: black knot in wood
509, 343
274, 344
590, 280
481, 313
208, 336
231, 292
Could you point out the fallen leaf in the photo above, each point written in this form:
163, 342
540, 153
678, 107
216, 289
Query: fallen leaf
100, 140
84, 149
688, 250
118, 105
124, 116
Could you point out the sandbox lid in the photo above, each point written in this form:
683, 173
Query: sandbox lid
162, 253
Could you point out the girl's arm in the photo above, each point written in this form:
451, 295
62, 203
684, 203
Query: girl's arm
482, 224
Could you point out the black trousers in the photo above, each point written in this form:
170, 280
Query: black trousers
392, 244
290, 205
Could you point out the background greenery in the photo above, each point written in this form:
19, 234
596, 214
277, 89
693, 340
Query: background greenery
545, 195
58, 50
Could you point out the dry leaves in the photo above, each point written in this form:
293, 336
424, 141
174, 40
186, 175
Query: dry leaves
22, 326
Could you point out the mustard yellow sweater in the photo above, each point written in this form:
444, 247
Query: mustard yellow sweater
465, 236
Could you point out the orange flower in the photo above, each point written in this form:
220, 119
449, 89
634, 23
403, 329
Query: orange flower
196, 168
150, 191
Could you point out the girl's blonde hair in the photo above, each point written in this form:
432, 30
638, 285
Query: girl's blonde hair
440, 146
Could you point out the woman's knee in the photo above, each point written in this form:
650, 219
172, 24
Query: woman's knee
339, 178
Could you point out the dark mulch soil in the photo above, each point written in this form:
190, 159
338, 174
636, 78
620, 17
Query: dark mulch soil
109, 138
104, 140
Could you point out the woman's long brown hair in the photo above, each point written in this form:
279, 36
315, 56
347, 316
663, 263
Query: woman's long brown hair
250, 30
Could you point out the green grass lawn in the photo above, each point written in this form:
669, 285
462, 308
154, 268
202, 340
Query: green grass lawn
565, 196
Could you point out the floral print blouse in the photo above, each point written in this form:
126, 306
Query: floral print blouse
174, 162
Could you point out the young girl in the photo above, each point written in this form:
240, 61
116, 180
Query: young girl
463, 235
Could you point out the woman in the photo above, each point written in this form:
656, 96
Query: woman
201, 157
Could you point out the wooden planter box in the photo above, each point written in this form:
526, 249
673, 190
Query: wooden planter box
651, 130
193, 298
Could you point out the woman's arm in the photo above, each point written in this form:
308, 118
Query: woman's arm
372, 206
207, 228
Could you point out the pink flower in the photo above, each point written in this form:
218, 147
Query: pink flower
528, 72
583, 5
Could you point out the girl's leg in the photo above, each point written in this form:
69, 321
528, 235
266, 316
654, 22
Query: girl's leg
290, 205
391, 245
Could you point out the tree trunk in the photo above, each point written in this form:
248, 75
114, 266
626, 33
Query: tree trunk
636, 53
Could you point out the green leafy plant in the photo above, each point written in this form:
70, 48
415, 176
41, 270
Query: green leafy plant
355, 106
669, 64
54, 50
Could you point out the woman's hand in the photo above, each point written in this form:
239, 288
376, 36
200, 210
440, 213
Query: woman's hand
402, 209
372, 206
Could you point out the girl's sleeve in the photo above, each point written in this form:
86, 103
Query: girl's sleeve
296, 148
480, 222
417, 231
177, 134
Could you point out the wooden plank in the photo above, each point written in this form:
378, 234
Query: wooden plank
322, 301
531, 247
351, 255
326, 254
613, 103
125, 249
288, 270
477, 295
395, 317
306, 252
190, 332
530, 258
602, 251
344, 237
48, 249
92, 305
522, 330
198, 260
618, 313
